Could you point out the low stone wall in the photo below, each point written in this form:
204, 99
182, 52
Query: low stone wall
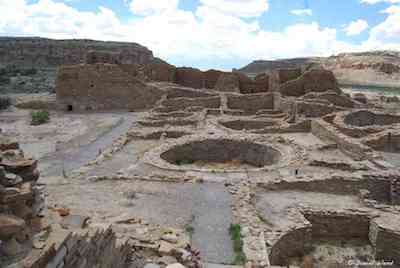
303, 126
183, 103
329, 225
384, 235
362, 123
182, 92
352, 147
331, 97
247, 124
378, 186
383, 141
293, 244
251, 103
315, 109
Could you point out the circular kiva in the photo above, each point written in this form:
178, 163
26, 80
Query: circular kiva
367, 118
220, 154
363, 122
247, 124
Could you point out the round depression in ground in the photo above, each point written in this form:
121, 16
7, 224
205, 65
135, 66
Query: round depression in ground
224, 151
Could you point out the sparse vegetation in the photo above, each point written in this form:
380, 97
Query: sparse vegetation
189, 229
40, 117
236, 237
5, 102
182, 162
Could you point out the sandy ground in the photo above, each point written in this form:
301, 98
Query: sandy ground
62, 132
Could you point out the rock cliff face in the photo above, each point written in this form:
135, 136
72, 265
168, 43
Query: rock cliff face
376, 68
380, 68
29, 64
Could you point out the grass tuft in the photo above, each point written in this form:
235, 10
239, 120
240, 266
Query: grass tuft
39, 117
236, 237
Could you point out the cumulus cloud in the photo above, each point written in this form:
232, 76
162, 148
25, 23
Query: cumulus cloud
372, 2
302, 12
392, 10
239, 8
147, 7
387, 34
213, 32
356, 27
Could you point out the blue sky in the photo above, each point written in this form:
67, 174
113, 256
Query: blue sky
221, 34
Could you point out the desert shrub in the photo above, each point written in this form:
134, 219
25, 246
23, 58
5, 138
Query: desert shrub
5, 102
39, 117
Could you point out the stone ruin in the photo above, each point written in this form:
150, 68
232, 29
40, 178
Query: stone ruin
307, 173
102, 83
22, 200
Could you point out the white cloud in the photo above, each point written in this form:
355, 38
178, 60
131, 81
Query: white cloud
372, 2
238, 8
356, 27
149, 7
211, 33
386, 35
392, 10
302, 12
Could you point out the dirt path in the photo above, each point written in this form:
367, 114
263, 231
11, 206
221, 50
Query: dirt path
69, 159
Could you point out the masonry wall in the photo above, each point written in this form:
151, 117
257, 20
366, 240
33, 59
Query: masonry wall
290, 245
384, 235
349, 146
103, 87
251, 103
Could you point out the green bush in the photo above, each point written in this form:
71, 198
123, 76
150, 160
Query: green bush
40, 117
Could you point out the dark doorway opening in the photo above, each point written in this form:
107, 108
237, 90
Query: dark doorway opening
70, 108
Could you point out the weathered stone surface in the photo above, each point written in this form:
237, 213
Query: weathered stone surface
103, 86
311, 81
228, 83
190, 77
331, 97
74, 222
8, 144
251, 103
11, 247
384, 234
360, 97
10, 226
250, 86
44, 52
10, 179
161, 71
26, 168
93, 57
152, 265
175, 265
211, 78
